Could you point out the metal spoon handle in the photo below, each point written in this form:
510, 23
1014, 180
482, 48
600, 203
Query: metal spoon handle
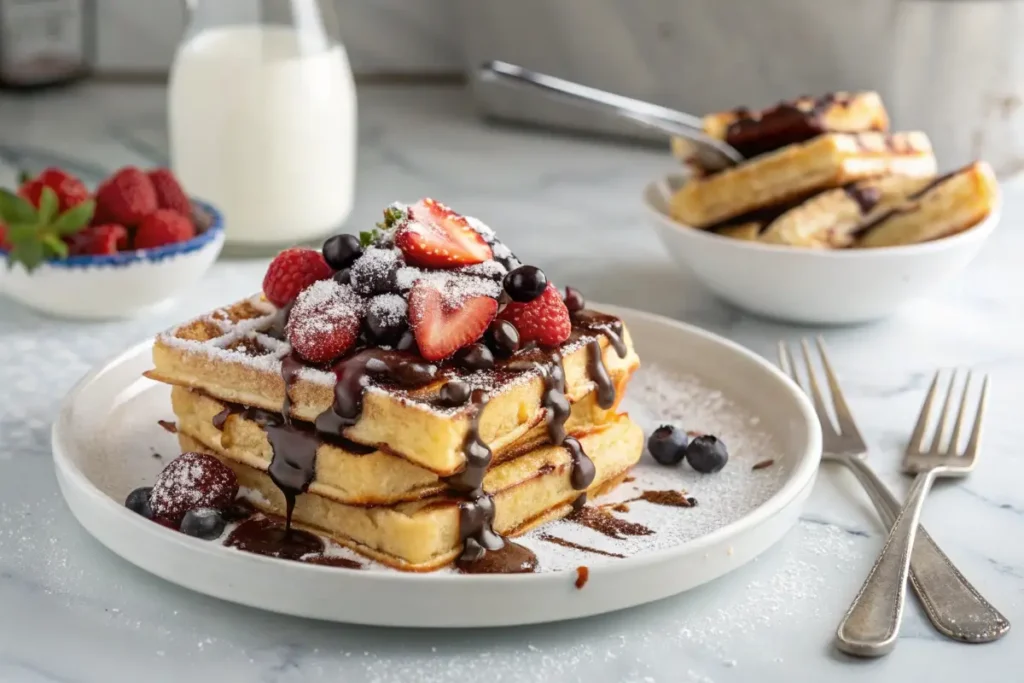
625, 106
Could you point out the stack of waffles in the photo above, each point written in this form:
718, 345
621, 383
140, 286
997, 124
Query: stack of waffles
828, 173
413, 462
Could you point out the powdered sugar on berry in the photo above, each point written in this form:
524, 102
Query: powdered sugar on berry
390, 309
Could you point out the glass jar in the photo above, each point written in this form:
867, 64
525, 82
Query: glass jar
44, 43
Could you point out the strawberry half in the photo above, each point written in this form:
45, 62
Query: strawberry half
434, 236
443, 326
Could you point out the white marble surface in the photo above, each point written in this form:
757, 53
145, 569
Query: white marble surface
70, 611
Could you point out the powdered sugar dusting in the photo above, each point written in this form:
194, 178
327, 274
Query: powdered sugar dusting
490, 269
457, 288
481, 228
375, 265
324, 305
390, 309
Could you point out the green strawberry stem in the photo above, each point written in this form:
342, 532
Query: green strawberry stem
35, 234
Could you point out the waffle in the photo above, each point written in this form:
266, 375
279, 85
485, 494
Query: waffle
945, 206
423, 535
375, 478
232, 355
759, 132
798, 171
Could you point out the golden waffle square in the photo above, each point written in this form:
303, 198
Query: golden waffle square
798, 171
948, 205
422, 535
753, 133
230, 354
353, 478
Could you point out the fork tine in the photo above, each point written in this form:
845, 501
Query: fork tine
975, 443
922, 420
845, 418
815, 392
954, 440
936, 448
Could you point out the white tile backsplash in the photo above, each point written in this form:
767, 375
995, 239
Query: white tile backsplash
381, 36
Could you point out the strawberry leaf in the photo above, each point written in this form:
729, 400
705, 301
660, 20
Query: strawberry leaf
15, 209
24, 177
55, 246
367, 237
74, 219
48, 205
28, 253
20, 232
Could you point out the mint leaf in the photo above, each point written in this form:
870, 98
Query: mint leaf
55, 246
48, 205
74, 219
15, 209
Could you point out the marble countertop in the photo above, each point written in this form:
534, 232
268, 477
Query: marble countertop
72, 611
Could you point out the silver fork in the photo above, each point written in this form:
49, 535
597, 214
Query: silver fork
872, 624
952, 604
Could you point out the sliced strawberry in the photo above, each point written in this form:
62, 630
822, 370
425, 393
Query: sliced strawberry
443, 323
544, 320
434, 236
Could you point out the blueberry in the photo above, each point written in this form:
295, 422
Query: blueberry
454, 393
667, 445
707, 454
503, 338
376, 272
138, 502
341, 250
204, 523
387, 319
574, 301
343, 276
475, 357
525, 283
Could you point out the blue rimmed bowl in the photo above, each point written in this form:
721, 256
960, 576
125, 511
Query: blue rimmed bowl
120, 285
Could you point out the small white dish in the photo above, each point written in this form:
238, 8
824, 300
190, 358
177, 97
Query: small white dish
811, 286
119, 285
107, 430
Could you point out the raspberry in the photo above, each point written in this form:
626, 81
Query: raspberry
324, 322
70, 190
544, 320
189, 482
292, 271
161, 227
126, 198
98, 239
169, 194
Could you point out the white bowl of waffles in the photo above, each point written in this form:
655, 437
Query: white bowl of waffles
831, 219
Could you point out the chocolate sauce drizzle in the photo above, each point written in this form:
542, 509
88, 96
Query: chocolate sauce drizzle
866, 198
599, 373
576, 546
608, 524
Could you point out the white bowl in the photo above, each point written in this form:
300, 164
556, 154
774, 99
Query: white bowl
119, 285
811, 286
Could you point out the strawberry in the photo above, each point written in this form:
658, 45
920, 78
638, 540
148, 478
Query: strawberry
125, 198
324, 322
36, 234
292, 271
443, 326
98, 239
161, 227
4, 244
434, 236
191, 481
169, 194
544, 320
70, 190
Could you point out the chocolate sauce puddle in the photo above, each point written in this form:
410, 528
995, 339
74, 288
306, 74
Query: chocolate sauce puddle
605, 523
266, 536
576, 546
511, 558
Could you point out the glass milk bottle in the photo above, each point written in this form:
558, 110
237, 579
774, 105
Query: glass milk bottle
262, 118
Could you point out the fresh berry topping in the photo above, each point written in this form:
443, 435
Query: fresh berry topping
375, 272
341, 250
161, 227
138, 502
324, 322
70, 190
445, 321
169, 194
434, 236
667, 445
503, 338
125, 198
544, 320
474, 357
574, 300
454, 393
204, 523
36, 234
525, 283
292, 271
192, 481
97, 240
4, 244
707, 454
387, 319
343, 277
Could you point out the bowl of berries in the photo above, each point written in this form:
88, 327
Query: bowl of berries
127, 247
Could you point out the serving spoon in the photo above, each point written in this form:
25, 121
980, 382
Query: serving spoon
713, 154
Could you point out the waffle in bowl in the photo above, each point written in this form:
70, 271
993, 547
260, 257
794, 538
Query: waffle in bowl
414, 447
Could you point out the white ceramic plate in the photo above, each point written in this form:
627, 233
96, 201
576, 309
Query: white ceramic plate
106, 435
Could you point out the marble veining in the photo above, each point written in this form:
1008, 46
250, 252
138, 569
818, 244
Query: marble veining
70, 611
